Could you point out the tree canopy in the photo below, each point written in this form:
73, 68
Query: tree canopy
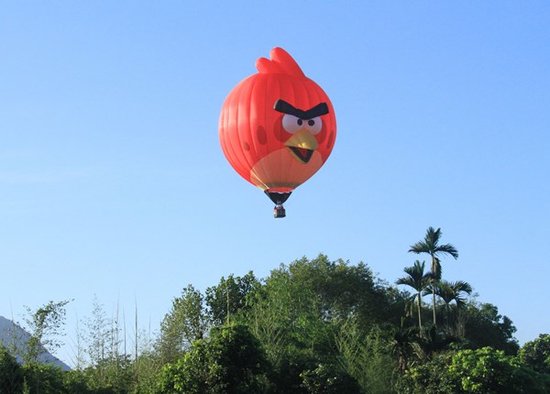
310, 326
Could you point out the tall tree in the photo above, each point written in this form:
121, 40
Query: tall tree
453, 292
230, 296
230, 360
430, 245
486, 327
536, 354
417, 280
186, 322
46, 325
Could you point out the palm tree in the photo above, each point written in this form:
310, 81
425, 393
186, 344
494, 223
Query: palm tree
430, 245
404, 345
417, 280
453, 291
449, 292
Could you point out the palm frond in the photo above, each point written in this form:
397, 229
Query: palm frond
419, 247
406, 280
462, 286
416, 278
448, 249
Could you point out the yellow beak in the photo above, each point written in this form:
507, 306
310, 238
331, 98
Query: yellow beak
302, 139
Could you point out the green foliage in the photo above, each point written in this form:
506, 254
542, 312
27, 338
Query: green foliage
484, 326
487, 370
313, 326
536, 354
431, 246
428, 377
453, 291
45, 326
328, 379
366, 356
483, 371
97, 335
339, 287
231, 296
298, 317
229, 361
11, 374
115, 376
76, 382
417, 280
287, 318
42, 379
108, 370
186, 322
146, 371
112, 375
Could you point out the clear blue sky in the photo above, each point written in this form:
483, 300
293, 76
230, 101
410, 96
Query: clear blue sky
112, 181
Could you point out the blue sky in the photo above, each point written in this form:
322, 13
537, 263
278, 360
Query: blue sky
113, 184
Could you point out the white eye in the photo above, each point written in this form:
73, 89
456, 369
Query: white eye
292, 123
314, 125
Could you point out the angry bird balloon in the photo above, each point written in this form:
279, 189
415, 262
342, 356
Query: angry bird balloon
277, 127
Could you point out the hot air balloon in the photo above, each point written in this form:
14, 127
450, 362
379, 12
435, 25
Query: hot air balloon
277, 127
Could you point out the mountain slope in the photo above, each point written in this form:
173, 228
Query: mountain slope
14, 337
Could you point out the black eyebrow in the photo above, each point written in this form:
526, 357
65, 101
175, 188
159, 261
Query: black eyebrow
286, 108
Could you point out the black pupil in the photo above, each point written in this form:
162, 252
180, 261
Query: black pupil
310, 122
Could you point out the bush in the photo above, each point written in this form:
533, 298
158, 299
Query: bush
484, 370
536, 354
429, 378
43, 379
11, 374
327, 379
487, 370
230, 361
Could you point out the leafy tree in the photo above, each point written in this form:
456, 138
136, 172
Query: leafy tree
287, 320
428, 377
145, 373
536, 353
484, 326
115, 375
102, 336
297, 316
231, 296
484, 371
366, 356
186, 322
42, 379
430, 245
487, 370
11, 374
45, 326
105, 367
326, 379
76, 382
229, 361
418, 281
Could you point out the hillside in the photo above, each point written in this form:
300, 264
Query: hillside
13, 336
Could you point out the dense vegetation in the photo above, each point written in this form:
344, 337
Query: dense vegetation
312, 326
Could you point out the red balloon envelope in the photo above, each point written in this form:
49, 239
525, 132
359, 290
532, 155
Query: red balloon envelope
277, 127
